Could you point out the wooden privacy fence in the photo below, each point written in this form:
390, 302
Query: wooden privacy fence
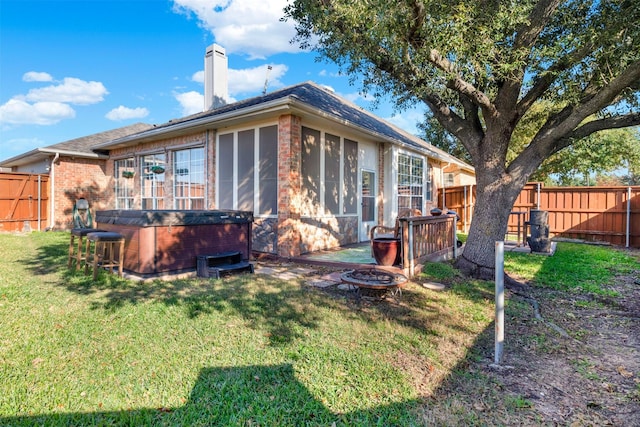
24, 201
426, 238
605, 214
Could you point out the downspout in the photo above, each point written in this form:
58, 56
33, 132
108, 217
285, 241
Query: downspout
52, 195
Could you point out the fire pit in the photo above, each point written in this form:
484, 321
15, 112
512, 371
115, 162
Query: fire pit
376, 282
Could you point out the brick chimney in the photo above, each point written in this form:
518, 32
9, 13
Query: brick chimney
216, 90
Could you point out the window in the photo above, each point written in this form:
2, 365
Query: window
152, 177
448, 179
329, 174
124, 172
411, 182
248, 170
189, 179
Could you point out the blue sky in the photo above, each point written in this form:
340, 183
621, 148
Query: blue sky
73, 68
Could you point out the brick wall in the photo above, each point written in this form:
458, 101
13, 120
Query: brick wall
289, 185
79, 178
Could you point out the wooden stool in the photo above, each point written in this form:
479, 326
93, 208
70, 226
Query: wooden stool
106, 246
77, 254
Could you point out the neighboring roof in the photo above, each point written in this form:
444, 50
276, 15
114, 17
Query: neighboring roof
308, 97
79, 147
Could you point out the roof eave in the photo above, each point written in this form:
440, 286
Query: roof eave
202, 123
42, 153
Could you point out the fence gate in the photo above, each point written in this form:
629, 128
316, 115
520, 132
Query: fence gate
24, 201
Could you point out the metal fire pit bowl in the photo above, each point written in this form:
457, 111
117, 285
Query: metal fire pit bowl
376, 282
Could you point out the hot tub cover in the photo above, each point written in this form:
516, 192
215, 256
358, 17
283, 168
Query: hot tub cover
156, 218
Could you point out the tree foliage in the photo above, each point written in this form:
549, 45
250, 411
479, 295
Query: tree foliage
480, 67
598, 154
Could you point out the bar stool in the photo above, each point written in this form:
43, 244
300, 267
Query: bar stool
106, 246
76, 252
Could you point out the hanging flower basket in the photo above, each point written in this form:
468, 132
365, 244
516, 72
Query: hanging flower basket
128, 174
157, 169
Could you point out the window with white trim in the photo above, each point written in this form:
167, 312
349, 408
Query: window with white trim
449, 179
189, 183
124, 173
411, 182
152, 179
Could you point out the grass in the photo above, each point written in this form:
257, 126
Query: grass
247, 349
250, 349
577, 267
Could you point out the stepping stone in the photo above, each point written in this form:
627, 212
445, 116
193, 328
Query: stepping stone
333, 277
346, 287
434, 286
318, 283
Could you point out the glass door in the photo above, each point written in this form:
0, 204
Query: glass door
368, 200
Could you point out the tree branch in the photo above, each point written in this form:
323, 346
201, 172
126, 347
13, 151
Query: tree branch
546, 78
525, 39
591, 127
460, 85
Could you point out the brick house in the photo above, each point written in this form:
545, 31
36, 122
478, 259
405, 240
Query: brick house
75, 171
316, 170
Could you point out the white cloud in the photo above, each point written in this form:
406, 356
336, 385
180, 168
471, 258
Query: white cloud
355, 96
19, 112
252, 79
198, 77
24, 143
191, 102
71, 90
34, 76
408, 120
125, 113
237, 24
50, 104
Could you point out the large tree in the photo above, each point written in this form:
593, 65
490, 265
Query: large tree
598, 154
480, 66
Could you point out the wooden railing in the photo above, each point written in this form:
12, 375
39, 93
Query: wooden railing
426, 238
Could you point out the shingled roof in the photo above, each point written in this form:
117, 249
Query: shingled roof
86, 143
78, 147
308, 95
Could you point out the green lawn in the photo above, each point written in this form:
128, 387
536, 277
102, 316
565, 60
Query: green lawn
244, 350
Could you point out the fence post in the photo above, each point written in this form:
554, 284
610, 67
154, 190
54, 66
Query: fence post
455, 237
411, 254
499, 318
628, 231
464, 213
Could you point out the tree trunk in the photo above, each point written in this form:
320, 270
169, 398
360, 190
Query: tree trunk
496, 194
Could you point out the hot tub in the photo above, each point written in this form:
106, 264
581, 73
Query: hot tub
162, 241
